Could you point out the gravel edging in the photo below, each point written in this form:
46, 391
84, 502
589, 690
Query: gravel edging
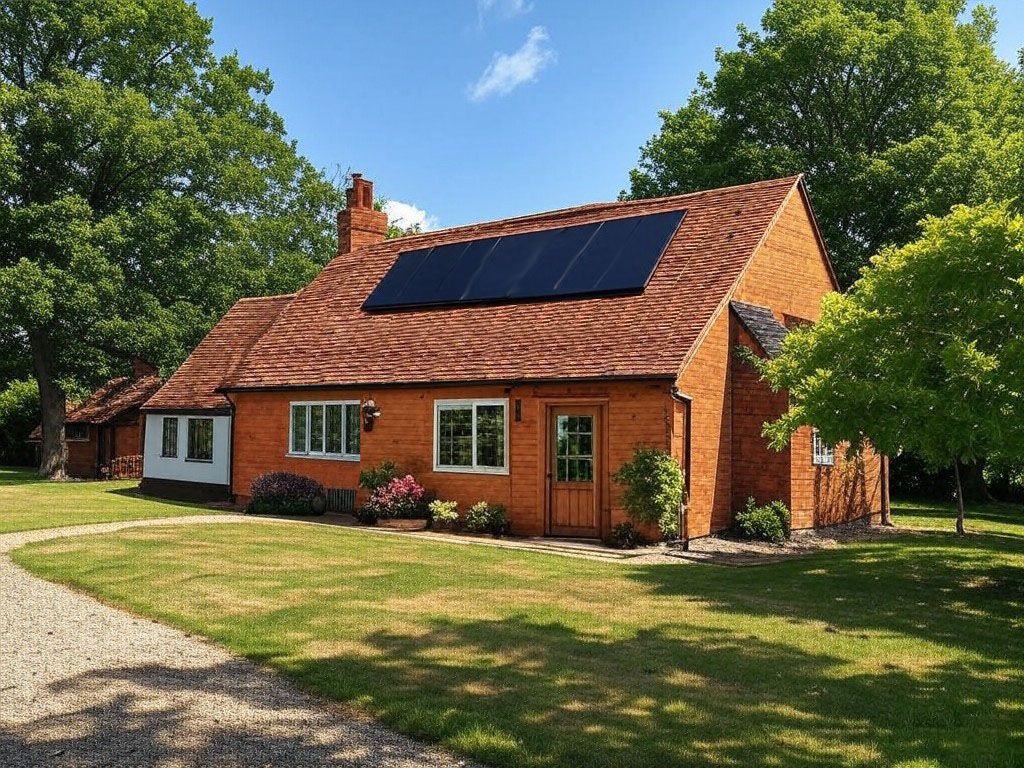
85, 684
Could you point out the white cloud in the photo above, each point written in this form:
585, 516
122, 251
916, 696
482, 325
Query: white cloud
407, 215
506, 9
510, 70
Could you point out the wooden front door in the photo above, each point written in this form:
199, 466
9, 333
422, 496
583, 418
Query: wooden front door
573, 503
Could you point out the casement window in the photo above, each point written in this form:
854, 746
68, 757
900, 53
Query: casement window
470, 436
200, 440
169, 438
76, 431
822, 454
325, 430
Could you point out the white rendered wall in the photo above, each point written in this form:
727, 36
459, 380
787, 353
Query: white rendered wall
179, 468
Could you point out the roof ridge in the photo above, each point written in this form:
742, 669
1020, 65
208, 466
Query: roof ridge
583, 208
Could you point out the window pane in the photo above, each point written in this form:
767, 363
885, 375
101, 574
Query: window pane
352, 429
200, 439
169, 444
563, 470
316, 429
298, 429
455, 437
335, 428
585, 469
490, 435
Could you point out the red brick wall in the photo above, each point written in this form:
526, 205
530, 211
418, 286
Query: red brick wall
757, 469
729, 458
127, 440
633, 413
82, 456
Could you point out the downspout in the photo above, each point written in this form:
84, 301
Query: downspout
687, 401
231, 448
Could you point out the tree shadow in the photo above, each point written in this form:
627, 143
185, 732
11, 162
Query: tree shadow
668, 695
963, 593
146, 715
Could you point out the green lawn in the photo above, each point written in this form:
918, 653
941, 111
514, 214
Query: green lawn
904, 652
27, 502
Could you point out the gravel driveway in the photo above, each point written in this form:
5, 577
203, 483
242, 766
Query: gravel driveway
82, 684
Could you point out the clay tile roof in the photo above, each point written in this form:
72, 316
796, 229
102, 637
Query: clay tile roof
324, 337
214, 362
106, 404
762, 325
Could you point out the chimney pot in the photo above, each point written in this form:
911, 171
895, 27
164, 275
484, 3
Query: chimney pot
359, 224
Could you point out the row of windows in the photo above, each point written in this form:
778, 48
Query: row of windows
199, 438
469, 436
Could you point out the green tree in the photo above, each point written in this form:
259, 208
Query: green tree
145, 185
895, 109
926, 351
19, 414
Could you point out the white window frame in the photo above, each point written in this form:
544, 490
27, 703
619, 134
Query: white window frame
472, 403
177, 437
822, 454
213, 439
322, 453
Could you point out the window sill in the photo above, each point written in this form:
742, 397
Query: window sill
324, 456
473, 470
199, 461
171, 456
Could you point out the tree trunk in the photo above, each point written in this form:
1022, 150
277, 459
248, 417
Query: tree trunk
886, 508
959, 499
53, 404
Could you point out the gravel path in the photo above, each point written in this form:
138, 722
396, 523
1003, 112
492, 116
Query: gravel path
82, 684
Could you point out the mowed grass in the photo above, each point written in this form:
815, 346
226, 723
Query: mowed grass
905, 652
27, 502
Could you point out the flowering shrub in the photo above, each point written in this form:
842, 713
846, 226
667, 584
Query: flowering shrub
444, 514
485, 518
285, 493
373, 478
399, 497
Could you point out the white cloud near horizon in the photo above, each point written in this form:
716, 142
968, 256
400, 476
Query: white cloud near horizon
507, 71
407, 215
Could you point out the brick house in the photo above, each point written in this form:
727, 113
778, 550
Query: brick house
521, 361
104, 434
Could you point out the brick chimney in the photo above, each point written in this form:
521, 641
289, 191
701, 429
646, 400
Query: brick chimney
142, 368
359, 224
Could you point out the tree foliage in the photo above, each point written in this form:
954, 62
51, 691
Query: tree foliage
925, 353
895, 109
146, 185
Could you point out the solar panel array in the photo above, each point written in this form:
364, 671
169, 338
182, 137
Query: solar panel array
600, 259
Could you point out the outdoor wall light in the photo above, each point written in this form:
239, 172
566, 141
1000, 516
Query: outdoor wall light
370, 412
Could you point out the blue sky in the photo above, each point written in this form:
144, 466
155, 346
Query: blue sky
472, 110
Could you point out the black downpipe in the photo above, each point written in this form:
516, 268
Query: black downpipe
687, 401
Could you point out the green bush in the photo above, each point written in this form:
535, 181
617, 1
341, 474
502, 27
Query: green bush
626, 536
486, 518
19, 415
375, 477
769, 522
652, 489
443, 514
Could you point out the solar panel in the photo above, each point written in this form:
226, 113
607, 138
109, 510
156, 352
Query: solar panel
604, 258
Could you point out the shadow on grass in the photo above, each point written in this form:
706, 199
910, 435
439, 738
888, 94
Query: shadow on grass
19, 476
668, 696
963, 593
122, 717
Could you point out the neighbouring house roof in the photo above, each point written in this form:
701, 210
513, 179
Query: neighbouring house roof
768, 332
324, 337
215, 361
114, 399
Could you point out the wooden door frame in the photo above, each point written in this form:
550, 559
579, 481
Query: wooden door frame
601, 479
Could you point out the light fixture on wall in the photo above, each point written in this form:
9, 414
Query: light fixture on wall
370, 413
